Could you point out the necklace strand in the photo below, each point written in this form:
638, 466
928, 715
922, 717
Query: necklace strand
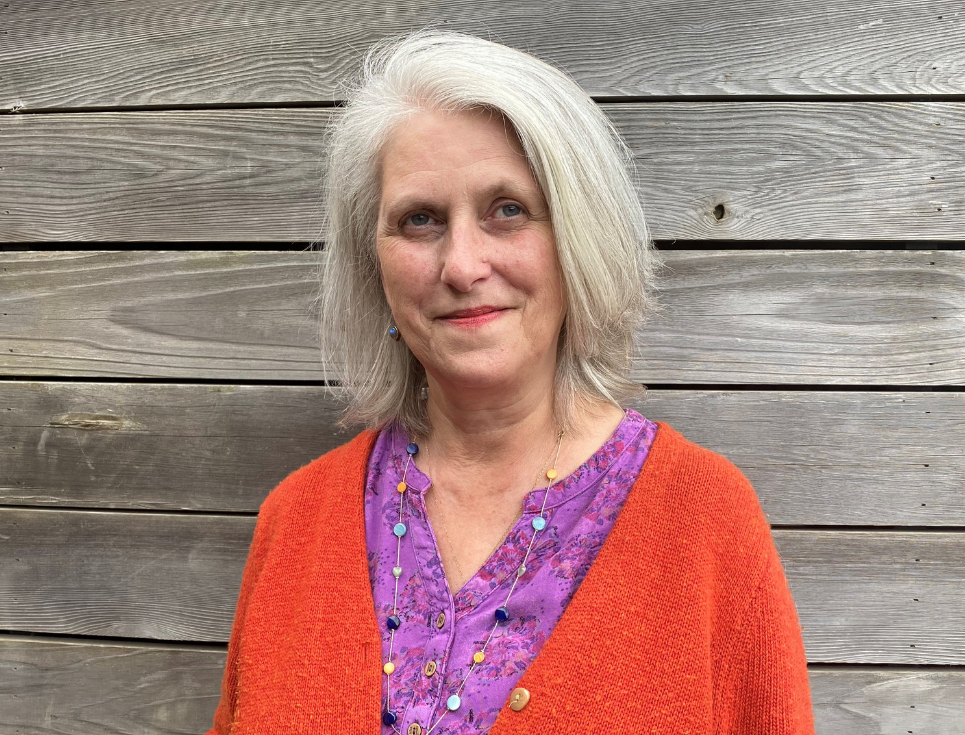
393, 622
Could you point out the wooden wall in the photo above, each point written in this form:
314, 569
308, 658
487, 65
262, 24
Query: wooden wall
804, 172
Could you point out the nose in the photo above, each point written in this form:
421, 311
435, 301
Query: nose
465, 255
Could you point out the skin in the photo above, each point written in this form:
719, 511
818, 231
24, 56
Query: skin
463, 224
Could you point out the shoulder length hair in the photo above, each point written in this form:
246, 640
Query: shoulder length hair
585, 172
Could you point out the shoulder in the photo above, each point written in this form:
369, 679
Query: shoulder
313, 483
697, 473
708, 500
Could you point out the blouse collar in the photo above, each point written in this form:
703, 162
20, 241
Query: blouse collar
584, 477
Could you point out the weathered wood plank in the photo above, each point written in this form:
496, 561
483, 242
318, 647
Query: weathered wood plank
781, 171
50, 686
893, 701
134, 575
175, 52
814, 458
58, 686
863, 597
759, 316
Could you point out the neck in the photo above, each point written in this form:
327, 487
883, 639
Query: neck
485, 433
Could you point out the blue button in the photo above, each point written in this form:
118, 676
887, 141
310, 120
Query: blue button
502, 614
413, 448
539, 523
393, 622
399, 530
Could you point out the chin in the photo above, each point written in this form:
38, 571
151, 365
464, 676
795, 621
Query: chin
471, 372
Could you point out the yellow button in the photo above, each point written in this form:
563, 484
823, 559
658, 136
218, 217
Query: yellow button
440, 620
430, 668
518, 699
415, 729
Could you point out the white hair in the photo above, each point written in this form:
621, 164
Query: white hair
584, 170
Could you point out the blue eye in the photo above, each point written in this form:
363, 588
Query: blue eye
420, 219
511, 210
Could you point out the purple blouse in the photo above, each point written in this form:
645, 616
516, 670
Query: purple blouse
439, 632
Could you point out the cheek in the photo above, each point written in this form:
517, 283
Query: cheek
405, 275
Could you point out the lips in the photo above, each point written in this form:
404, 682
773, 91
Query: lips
474, 317
471, 313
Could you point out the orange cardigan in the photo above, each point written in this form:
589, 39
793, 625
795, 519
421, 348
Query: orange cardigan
684, 623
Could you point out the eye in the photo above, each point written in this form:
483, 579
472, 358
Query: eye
419, 219
510, 210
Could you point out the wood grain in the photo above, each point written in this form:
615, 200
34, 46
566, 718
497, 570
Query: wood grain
814, 458
862, 597
792, 317
176, 52
892, 701
802, 171
57, 686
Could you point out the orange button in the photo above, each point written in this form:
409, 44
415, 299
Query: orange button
415, 729
440, 620
430, 668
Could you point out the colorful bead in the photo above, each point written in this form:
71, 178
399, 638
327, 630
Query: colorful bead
551, 474
502, 614
521, 571
396, 572
479, 657
400, 487
393, 622
413, 448
389, 667
389, 718
539, 523
399, 530
453, 702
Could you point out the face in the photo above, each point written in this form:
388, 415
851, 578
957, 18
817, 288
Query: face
467, 252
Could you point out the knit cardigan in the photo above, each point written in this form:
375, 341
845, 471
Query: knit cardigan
683, 624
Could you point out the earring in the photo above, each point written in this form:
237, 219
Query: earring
394, 333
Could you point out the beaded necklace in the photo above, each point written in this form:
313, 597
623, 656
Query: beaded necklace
393, 622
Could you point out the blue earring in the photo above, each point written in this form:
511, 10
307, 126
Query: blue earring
394, 333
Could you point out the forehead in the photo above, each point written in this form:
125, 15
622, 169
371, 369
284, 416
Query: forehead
434, 148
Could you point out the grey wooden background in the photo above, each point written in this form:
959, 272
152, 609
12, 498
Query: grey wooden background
804, 172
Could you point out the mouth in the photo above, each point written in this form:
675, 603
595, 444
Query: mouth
474, 317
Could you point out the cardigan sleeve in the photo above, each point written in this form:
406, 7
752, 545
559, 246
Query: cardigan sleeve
257, 552
767, 688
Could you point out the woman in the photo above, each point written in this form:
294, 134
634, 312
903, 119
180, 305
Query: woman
506, 548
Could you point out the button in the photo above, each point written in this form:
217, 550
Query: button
440, 620
415, 729
430, 668
518, 699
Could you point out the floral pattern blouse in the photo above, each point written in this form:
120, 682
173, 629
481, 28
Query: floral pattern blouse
440, 631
